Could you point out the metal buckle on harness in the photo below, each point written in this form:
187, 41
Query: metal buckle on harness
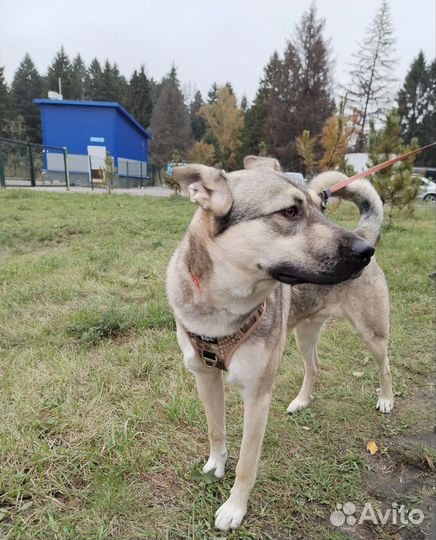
209, 359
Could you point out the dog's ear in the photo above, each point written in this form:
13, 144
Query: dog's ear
259, 162
207, 187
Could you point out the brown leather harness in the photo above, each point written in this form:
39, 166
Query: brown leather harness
216, 352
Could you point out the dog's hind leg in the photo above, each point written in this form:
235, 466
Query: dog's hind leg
307, 336
379, 349
374, 331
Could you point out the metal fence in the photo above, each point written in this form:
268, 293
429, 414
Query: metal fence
30, 164
23, 163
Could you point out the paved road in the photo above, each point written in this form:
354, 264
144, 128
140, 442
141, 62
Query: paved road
153, 191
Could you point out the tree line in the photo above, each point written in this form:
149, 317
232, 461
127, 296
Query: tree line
296, 114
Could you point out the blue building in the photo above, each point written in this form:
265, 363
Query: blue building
89, 129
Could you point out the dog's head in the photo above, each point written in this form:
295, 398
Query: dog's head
271, 226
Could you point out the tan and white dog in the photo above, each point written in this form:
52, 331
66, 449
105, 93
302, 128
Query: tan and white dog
257, 239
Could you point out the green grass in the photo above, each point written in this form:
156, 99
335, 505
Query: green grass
102, 434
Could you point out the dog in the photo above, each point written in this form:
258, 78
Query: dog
260, 259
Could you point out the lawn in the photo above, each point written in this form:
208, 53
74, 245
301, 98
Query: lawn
101, 431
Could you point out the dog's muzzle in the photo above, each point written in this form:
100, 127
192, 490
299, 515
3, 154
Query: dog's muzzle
347, 264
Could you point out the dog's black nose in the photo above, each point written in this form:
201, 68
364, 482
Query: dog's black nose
362, 250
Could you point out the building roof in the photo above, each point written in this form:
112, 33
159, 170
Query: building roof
108, 104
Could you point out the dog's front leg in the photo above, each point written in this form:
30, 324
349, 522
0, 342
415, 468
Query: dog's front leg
210, 387
231, 513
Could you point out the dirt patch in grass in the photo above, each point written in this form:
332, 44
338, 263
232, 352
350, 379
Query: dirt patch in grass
404, 474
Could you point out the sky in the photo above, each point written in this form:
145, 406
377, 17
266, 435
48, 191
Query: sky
219, 40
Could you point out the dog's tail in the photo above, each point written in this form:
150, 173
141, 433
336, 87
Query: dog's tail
363, 195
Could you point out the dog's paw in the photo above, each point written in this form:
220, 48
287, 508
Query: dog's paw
229, 515
385, 405
298, 403
216, 463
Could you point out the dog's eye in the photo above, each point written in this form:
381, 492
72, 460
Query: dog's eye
290, 212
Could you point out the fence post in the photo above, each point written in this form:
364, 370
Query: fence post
140, 168
2, 168
67, 172
127, 172
32, 168
90, 173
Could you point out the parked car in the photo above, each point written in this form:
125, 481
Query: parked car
427, 191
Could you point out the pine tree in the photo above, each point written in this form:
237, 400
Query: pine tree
172, 76
229, 86
254, 132
226, 121
4, 103
429, 120
411, 98
198, 123
170, 124
416, 106
138, 101
371, 75
78, 78
94, 81
16, 129
114, 85
212, 95
302, 96
60, 68
396, 185
26, 86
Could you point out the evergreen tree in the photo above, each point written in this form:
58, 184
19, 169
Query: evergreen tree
371, 74
114, 85
172, 76
60, 68
154, 91
396, 185
94, 81
301, 98
78, 78
26, 86
170, 124
212, 95
138, 101
198, 123
229, 86
254, 132
429, 120
416, 106
4, 103
16, 129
